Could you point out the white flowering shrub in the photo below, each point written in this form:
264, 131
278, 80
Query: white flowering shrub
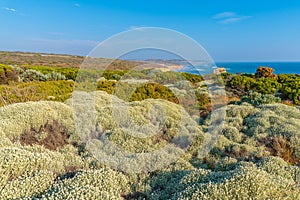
257, 99
28, 185
279, 167
54, 76
71, 172
32, 75
148, 125
91, 184
245, 181
276, 120
29, 171
16, 161
33, 115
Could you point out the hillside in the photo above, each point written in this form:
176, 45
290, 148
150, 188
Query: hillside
254, 156
145, 134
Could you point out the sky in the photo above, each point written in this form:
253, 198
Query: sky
229, 30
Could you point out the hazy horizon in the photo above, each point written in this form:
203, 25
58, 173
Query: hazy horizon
154, 58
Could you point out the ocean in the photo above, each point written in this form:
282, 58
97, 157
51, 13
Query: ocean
250, 67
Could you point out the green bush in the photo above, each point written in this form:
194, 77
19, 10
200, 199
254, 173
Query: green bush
7, 74
35, 91
193, 78
107, 86
153, 91
286, 84
290, 87
243, 83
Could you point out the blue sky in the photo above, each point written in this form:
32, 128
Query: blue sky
230, 30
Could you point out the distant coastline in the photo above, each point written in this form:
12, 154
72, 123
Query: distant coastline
250, 67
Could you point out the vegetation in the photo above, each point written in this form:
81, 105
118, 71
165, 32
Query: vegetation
61, 61
284, 85
147, 134
265, 72
35, 91
240, 164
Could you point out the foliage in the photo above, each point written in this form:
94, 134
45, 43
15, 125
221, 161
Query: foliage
7, 74
265, 72
154, 91
54, 76
29, 171
124, 121
91, 184
246, 181
290, 87
193, 78
35, 91
251, 133
33, 115
242, 84
32, 75
63, 61
107, 86
257, 99
266, 83
68, 172
256, 155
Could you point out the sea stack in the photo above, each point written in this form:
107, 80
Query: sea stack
220, 70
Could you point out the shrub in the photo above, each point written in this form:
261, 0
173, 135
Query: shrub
241, 84
251, 133
257, 99
273, 123
90, 184
135, 129
265, 72
193, 78
282, 149
246, 180
107, 86
113, 74
154, 91
7, 74
69, 73
290, 87
35, 91
28, 185
54, 76
226, 163
266, 86
32, 75
32, 116
27, 172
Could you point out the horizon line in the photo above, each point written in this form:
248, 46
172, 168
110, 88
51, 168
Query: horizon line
218, 61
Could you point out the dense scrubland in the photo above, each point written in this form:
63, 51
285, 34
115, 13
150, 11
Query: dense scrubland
256, 154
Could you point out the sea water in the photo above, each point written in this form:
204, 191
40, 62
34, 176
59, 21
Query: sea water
247, 67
